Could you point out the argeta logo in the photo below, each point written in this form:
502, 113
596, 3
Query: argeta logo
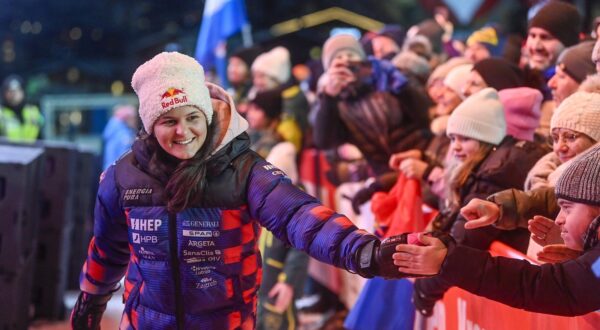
136, 238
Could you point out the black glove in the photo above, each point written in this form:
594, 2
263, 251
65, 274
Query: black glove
375, 258
88, 310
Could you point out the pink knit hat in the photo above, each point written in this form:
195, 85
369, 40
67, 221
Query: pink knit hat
522, 111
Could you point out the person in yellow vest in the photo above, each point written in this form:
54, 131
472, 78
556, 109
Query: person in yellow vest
19, 121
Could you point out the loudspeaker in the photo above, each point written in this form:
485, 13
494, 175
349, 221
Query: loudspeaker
20, 174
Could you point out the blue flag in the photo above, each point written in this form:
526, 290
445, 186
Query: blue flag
220, 20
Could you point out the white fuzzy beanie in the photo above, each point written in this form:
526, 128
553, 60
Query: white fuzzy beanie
479, 117
275, 64
457, 79
168, 81
579, 112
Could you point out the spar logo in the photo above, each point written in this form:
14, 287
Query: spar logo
172, 97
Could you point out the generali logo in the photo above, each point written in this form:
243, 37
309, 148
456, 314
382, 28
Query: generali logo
172, 97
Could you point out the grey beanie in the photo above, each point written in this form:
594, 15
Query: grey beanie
580, 181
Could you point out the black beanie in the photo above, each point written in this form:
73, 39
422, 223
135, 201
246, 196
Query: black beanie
561, 19
499, 73
248, 55
270, 102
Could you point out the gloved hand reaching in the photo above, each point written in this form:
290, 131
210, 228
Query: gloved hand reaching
88, 311
375, 258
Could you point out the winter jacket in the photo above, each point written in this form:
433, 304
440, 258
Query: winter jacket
505, 167
382, 113
200, 268
538, 176
569, 288
518, 206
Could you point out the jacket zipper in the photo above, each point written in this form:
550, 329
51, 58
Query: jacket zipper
179, 315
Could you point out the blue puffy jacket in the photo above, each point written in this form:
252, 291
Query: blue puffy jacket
200, 268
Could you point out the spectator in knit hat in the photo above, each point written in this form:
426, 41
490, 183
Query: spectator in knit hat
483, 43
453, 91
555, 26
493, 72
239, 75
522, 111
575, 126
477, 130
435, 82
368, 103
572, 67
272, 70
567, 288
388, 41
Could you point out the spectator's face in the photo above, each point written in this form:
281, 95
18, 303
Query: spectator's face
477, 52
343, 57
574, 219
447, 102
383, 46
262, 82
14, 95
181, 132
474, 83
237, 71
562, 85
543, 49
257, 120
596, 55
462, 147
568, 143
435, 89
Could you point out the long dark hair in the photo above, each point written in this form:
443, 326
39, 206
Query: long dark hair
185, 179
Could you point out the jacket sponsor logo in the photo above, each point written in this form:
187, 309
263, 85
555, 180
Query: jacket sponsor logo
145, 224
200, 233
139, 239
176, 96
201, 224
134, 194
276, 170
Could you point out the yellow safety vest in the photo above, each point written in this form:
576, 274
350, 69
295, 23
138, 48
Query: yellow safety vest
15, 130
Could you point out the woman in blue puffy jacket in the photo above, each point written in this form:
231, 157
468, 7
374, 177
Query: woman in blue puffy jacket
179, 216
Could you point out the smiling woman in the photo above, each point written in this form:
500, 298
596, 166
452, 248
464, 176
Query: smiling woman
188, 245
182, 131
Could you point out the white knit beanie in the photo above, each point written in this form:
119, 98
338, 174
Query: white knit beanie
579, 112
457, 78
168, 81
479, 117
338, 43
275, 64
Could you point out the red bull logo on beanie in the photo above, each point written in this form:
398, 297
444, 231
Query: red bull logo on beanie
176, 96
